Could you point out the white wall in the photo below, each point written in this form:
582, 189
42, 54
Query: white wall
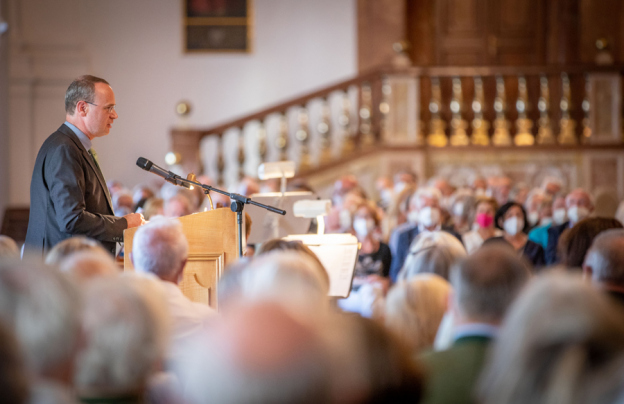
137, 46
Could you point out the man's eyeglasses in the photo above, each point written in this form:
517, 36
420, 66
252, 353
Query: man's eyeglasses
110, 109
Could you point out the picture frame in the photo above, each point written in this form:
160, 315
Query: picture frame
217, 25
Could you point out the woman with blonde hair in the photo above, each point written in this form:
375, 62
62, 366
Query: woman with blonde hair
414, 309
432, 252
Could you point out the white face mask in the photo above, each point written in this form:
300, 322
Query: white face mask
429, 216
513, 225
386, 196
533, 218
345, 219
458, 209
546, 221
363, 227
412, 216
399, 186
577, 213
560, 216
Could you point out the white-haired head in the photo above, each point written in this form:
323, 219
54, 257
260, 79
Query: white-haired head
421, 195
160, 248
288, 277
43, 307
125, 339
88, 264
432, 252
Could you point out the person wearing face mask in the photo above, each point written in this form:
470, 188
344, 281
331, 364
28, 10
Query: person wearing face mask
512, 219
579, 205
462, 209
532, 206
424, 215
539, 234
485, 209
374, 258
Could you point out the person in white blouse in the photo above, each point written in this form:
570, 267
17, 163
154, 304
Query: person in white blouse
483, 227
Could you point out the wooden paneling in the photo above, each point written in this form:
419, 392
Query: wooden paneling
380, 24
461, 32
601, 19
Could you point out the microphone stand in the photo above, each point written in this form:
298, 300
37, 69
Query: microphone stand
237, 205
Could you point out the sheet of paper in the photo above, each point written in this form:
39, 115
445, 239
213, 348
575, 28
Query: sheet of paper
339, 261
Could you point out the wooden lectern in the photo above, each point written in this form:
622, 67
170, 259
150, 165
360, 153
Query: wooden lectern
212, 245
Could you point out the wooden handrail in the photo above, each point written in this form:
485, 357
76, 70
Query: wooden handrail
433, 71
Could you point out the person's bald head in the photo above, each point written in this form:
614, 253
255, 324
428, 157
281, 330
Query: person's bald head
580, 197
605, 258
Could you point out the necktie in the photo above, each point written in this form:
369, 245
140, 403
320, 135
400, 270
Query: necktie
95, 160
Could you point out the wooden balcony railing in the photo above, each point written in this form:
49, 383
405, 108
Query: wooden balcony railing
537, 106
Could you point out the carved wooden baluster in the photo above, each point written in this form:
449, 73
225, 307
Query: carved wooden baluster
241, 153
587, 132
344, 121
501, 126
566, 124
303, 135
384, 107
544, 131
523, 136
262, 142
281, 142
436, 136
458, 125
366, 107
479, 125
323, 128
221, 161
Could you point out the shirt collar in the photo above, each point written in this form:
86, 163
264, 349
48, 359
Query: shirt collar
84, 139
475, 330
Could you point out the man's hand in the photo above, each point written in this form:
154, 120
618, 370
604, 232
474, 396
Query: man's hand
135, 220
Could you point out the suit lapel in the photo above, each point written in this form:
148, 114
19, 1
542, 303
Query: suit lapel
67, 131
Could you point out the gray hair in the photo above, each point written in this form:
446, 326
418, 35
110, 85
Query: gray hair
288, 277
432, 252
125, 338
159, 247
69, 246
43, 307
561, 342
606, 257
486, 283
81, 89
8, 247
421, 193
88, 264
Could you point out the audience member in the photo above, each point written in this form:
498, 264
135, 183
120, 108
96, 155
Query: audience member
579, 205
278, 244
8, 247
289, 278
432, 252
511, 218
161, 250
141, 192
534, 201
85, 265
484, 286
604, 263
258, 354
539, 234
374, 258
43, 309
153, 207
485, 210
414, 309
574, 242
123, 203
70, 246
562, 342
14, 383
125, 342
552, 186
177, 206
462, 212
424, 216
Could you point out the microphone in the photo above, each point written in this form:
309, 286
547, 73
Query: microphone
161, 172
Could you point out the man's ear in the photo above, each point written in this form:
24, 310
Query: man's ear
181, 270
588, 272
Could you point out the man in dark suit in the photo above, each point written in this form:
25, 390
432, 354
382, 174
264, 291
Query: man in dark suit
68, 193
424, 215
484, 286
579, 205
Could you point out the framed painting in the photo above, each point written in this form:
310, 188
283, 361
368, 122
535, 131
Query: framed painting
217, 25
